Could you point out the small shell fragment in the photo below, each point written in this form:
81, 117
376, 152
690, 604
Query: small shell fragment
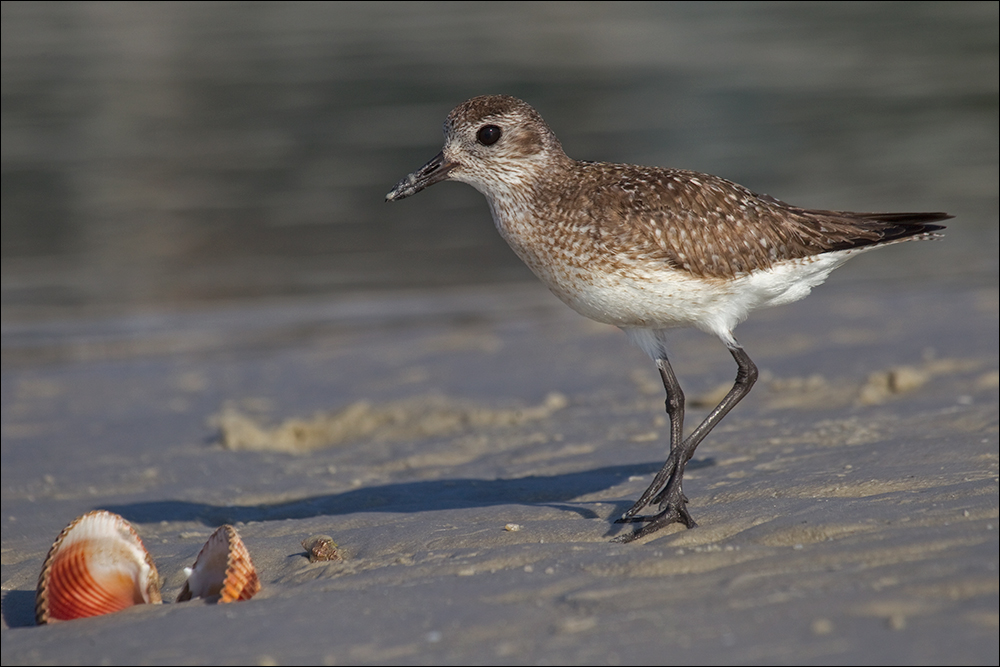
223, 568
512, 527
321, 547
97, 565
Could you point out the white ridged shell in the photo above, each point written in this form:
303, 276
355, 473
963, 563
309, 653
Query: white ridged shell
223, 568
97, 565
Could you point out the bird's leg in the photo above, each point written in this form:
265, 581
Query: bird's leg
746, 376
675, 412
670, 499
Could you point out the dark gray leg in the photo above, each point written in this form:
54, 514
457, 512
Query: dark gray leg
666, 488
675, 411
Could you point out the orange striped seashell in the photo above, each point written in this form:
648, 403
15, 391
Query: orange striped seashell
97, 565
223, 568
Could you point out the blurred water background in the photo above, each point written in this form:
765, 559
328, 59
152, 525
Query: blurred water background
164, 156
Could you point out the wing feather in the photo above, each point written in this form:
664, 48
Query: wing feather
713, 228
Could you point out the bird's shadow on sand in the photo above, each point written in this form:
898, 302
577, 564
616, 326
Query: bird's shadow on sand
423, 496
551, 491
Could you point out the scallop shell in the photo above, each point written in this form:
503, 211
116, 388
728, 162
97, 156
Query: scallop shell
223, 567
97, 565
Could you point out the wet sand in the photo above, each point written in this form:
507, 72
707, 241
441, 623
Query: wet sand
847, 509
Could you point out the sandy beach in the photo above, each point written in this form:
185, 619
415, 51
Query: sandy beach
847, 510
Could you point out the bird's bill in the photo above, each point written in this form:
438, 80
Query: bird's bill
433, 172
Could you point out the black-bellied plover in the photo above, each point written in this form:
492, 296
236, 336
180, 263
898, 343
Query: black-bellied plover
649, 249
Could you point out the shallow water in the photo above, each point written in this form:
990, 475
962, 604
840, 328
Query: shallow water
173, 155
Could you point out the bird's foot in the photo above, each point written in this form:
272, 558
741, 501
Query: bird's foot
657, 491
670, 512
660, 493
657, 521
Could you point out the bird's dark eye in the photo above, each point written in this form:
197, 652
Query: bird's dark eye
488, 135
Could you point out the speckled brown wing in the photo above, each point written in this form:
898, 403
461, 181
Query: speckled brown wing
713, 228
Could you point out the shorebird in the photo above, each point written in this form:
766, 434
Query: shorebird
648, 249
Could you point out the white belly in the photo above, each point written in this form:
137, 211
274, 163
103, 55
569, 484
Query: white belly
640, 293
